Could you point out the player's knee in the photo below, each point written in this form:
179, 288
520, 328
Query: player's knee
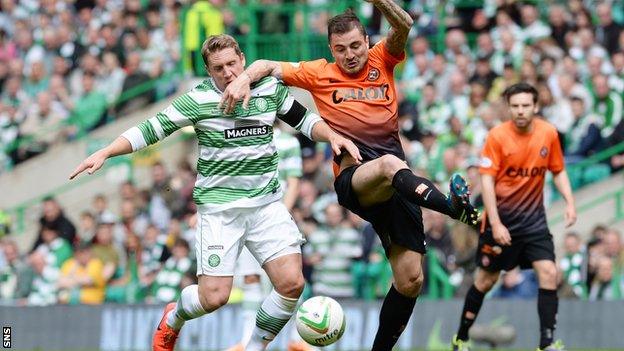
291, 287
390, 164
547, 274
213, 299
485, 283
410, 286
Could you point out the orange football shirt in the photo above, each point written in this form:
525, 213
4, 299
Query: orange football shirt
518, 162
362, 107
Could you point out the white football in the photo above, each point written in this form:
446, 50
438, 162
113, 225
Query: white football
320, 321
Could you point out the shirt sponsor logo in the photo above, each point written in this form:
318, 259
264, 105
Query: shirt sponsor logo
215, 247
361, 94
244, 132
525, 172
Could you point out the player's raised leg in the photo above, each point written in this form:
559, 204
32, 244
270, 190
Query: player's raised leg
195, 301
399, 303
375, 181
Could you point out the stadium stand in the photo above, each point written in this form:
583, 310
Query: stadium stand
73, 74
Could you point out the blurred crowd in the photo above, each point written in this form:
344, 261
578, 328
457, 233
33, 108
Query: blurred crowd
65, 64
450, 97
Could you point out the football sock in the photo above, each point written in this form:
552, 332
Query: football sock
547, 304
187, 308
421, 191
472, 305
252, 299
274, 313
395, 313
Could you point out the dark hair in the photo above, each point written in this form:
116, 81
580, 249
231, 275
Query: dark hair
520, 88
343, 23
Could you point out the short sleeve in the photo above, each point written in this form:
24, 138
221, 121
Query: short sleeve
555, 162
302, 74
490, 162
379, 52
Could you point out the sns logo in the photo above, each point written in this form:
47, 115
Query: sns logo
6, 337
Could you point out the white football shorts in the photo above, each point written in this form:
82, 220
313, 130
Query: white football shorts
268, 231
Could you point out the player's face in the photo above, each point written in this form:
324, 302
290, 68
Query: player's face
224, 66
350, 50
522, 110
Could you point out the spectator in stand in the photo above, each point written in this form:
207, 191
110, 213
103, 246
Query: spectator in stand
88, 110
483, 73
334, 247
556, 111
41, 125
433, 112
606, 285
13, 282
572, 265
43, 288
54, 218
558, 19
55, 249
87, 226
607, 104
105, 250
583, 138
175, 275
82, 278
607, 32
533, 28
100, 209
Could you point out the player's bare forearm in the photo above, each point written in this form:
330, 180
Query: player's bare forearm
489, 199
262, 68
562, 182
119, 146
292, 190
322, 132
399, 20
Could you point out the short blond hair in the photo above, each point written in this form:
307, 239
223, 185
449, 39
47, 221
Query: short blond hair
216, 43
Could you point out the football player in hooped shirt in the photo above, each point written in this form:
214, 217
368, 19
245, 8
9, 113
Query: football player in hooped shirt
356, 96
514, 162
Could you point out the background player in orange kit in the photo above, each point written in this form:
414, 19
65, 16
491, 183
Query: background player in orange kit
356, 96
514, 162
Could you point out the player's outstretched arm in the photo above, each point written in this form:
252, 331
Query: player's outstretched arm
562, 182
399, 20
322, 132
95, 161
239, 88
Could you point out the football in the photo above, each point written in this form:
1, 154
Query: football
320, 321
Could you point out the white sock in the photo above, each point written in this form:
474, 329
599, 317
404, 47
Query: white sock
187, 308
252, 299
274, 313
